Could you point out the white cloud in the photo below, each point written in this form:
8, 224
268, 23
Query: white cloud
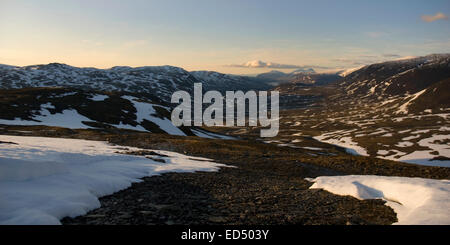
262, 64
432, 18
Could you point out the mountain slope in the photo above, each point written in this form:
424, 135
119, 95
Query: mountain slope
398, 110
398, 77
159, 81
397, 85
73, 108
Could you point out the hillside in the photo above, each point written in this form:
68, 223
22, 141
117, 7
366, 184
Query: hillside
76, 108
397, 110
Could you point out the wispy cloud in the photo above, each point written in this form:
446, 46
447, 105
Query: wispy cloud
272, 65
432, 18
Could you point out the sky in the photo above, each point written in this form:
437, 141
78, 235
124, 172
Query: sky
229, 36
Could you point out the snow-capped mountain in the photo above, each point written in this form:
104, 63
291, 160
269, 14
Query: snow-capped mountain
418, 82
157, 81
399, 77
160, 81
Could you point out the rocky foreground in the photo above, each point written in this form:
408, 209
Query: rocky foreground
266, 184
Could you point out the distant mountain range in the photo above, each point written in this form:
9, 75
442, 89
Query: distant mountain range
156, 81
222, 82
305, 76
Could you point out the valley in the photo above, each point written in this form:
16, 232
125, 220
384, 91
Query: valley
388, 119
391, 116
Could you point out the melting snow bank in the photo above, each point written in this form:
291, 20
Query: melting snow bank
45, 179
416, 201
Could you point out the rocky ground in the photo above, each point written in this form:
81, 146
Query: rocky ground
232, 196
265, 184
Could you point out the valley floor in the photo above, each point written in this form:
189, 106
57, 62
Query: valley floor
265, 185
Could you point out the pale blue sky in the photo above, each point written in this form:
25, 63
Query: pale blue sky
220, 34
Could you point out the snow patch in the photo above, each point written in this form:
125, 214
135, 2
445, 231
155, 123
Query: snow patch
346, 142
66, 119
43, 180
145, 112
416, 201
404, 144
404, 108
99, 97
